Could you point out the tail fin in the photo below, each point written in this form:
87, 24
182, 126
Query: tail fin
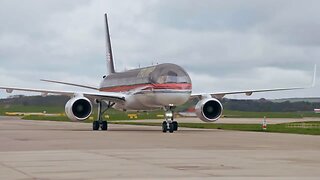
109, 55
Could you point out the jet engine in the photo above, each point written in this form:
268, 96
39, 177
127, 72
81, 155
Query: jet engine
209, 110
78, 108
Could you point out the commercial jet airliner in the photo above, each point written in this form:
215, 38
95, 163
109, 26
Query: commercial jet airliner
163, 86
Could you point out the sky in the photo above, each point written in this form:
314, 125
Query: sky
223, 45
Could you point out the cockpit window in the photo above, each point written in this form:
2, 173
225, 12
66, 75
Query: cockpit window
172, 77
169, 73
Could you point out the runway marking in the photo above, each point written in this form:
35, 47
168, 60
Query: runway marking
17, 170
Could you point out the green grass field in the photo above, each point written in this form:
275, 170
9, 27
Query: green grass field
308, 128
295, 115
113, 114
21, 108
117, 115
311, 128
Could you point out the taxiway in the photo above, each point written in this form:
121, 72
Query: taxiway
63, 150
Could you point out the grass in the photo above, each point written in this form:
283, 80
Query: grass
65, 118
117, 115
311, 128
295, 115
21, 108
308, 128
47, 118
113, 116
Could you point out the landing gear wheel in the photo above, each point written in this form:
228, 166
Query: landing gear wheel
175, 125
104, 125
164, 127
95, 125
171, 130
169, 124
100, 123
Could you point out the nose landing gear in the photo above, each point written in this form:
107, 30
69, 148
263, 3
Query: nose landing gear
169, 125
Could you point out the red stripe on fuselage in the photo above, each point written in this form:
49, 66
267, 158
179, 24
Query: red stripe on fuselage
173, 86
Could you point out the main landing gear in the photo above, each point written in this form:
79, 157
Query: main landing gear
169, 124
100, 123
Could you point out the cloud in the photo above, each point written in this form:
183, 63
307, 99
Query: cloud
232, 44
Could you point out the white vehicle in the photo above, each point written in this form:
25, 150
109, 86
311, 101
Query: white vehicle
162, 86
317, 110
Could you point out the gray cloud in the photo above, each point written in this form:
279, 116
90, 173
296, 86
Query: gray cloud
225, 45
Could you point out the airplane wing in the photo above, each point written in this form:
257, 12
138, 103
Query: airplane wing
220, 95
109, 96
70, 84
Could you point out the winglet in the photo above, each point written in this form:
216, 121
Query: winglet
314, 76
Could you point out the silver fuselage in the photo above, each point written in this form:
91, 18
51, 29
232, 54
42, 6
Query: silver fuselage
151, 87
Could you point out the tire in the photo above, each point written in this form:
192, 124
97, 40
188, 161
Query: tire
95, 125
175, 125
164, 127
104, 126
171, 130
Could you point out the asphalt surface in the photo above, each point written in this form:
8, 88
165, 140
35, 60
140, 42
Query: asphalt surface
62, 150
237, 120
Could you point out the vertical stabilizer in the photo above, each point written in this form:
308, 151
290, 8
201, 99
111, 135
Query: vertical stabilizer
109, 55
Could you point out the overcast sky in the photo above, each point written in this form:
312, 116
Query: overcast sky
224, 45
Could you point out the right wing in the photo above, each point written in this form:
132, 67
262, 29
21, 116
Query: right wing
109, 96
70, 84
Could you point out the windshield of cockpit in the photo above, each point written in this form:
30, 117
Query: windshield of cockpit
173, 76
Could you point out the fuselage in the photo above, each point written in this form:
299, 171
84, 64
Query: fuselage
151, 87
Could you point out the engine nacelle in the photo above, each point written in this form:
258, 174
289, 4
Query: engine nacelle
78, 108
209, 110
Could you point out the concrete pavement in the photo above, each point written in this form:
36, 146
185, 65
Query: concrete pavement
63, 150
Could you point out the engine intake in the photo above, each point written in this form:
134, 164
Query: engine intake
78, 109
209, 110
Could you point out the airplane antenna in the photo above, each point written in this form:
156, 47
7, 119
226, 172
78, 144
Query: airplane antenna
109, 54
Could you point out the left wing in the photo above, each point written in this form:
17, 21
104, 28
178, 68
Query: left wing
220, 95
109, 96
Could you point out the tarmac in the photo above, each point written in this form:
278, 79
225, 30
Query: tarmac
236, 120
66, 150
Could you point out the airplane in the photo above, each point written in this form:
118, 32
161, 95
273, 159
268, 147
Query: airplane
163, 86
